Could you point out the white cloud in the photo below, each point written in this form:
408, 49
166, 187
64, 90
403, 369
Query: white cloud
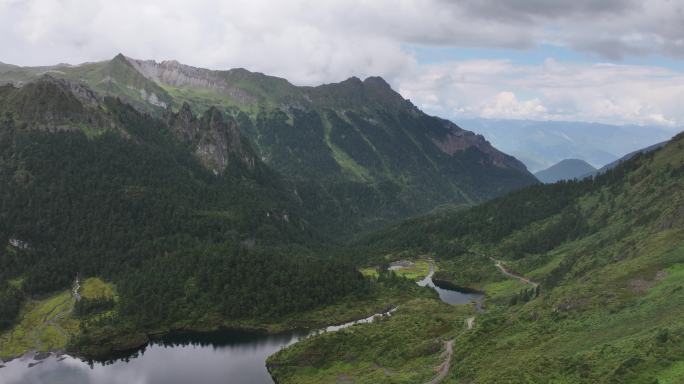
506, 105
310, 42
552, 91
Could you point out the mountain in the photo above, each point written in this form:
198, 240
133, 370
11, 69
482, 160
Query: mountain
567, 169
583, 284
176, 212
208, 198
357, 154
540, 144
197, 200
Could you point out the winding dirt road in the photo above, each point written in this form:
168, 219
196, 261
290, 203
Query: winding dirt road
443, 368
499, 264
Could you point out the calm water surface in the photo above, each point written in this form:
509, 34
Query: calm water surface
451, 296
212, 358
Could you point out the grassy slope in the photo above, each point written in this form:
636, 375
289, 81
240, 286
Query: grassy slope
404, 348
611, 309
47, 324
617, 314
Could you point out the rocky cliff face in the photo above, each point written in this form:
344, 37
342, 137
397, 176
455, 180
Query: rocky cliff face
214, 138
460, 140
54, 104
175, 74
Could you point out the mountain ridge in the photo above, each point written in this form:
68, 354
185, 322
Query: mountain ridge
374, 155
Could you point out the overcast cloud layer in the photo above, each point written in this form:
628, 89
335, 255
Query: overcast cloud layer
311, 42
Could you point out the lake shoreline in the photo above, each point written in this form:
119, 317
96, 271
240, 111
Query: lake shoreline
112, 345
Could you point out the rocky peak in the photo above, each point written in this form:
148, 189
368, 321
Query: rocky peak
215, 139
121, 59
170, 64
353, 81
377, 82
373, 92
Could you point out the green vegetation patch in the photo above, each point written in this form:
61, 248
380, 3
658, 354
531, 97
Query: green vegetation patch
369, 272
95, 288
45, 325
406, 347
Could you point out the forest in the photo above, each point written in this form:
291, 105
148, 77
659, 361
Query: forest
141, 212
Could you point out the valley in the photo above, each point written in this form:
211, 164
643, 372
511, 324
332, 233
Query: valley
158, 212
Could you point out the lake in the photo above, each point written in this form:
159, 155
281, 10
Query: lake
226, 357
216, 357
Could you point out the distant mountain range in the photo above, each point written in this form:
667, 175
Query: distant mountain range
567, 169
540, 144
570, 169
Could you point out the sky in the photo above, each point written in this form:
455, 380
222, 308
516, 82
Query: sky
609, 61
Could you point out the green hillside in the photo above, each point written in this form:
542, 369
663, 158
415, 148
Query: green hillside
134, 205
608, 254
187, 199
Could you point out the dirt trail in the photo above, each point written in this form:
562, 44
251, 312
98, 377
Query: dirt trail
443, 368
499, 264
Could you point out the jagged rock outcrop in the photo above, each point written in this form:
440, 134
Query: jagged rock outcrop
214, 138
173, 73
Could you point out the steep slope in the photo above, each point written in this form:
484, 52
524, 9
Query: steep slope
607, 253
567, 169
358, 154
